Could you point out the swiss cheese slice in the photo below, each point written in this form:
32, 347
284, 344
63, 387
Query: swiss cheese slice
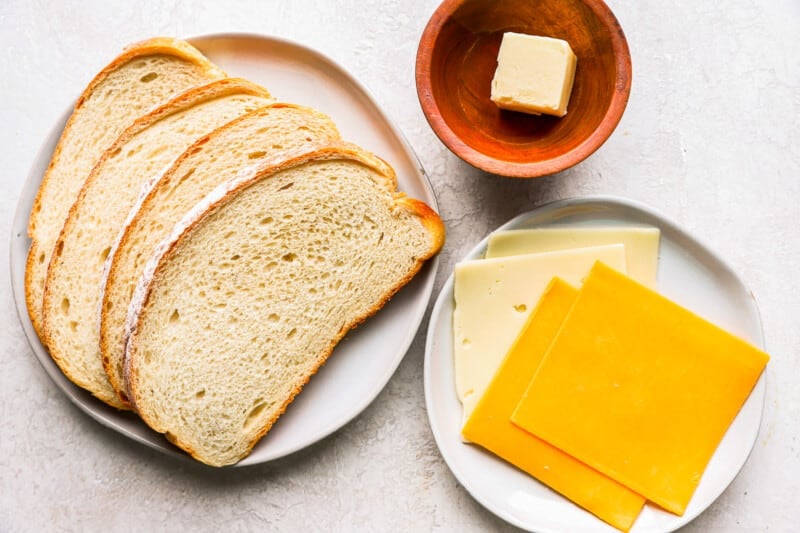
493, 299
641, 244
639, 388
490, 425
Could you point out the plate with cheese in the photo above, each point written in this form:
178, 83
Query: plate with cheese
590, 366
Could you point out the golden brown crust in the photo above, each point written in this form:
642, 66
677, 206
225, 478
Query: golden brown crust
430, 219
153, 46
30, 297
329, 151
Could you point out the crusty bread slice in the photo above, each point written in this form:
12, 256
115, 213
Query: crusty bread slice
144, 75
73, 287
256, 286
207, 163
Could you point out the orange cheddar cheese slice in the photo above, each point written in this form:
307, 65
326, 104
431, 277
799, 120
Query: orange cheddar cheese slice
639, 388
490, 426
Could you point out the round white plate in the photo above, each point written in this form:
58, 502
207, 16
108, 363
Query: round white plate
364, 361
688, 273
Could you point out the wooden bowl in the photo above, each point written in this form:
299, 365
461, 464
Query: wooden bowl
456, 60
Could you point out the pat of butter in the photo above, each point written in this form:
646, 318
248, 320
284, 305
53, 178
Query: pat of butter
490, 425
534, 74
641, 244
495, 297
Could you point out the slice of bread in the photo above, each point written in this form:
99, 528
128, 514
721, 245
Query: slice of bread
210, 161
73, 286
256, 286
143, 76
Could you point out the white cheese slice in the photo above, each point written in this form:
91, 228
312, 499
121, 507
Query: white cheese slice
641, 245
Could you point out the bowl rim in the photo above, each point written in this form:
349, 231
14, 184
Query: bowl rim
612, 117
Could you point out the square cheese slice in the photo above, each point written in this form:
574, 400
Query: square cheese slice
641, 244
493, 299
490, 425
639, 388
534, 74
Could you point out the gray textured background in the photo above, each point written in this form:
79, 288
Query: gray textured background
711, 137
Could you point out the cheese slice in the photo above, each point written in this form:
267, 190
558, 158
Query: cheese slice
641, 244
490, 426
493, 299
639, 388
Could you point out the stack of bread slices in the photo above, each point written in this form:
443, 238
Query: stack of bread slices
198, 249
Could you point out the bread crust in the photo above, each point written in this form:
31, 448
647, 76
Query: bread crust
183, 101
34, 313
216, 200
111, 269
153, 46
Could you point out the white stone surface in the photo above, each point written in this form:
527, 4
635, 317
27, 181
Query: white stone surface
711, 137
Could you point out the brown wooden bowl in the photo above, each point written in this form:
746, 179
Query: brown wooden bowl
456, 60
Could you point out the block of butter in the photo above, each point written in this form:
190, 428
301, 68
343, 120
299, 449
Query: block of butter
534, 74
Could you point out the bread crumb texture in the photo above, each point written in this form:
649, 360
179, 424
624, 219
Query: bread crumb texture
248, 305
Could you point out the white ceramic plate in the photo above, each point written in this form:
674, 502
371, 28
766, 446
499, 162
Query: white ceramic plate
688, 273
365, 360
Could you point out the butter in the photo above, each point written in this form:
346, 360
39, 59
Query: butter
495, 297
534, 74
641, 244
639, 388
